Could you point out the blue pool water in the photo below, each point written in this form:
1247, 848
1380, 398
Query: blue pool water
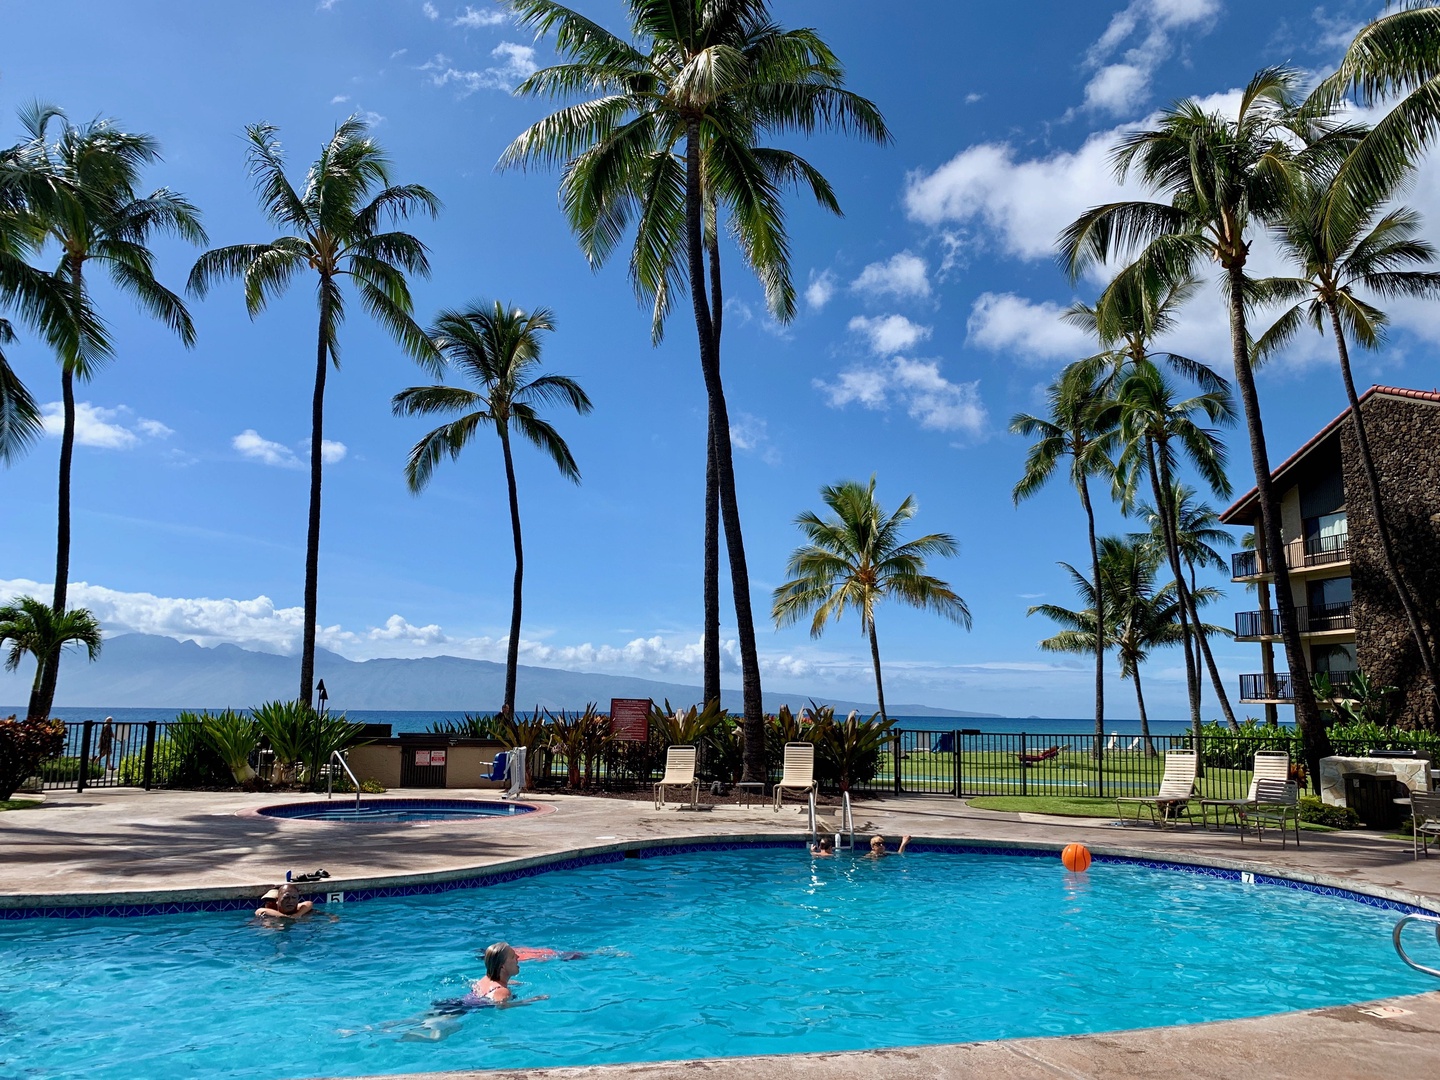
387, 810
701, 954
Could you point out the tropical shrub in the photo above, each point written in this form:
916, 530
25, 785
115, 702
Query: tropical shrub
580, 738
470, 726
1318, 812
235, 737
24, 745
288, 727
848, 751
368, 786
66, 770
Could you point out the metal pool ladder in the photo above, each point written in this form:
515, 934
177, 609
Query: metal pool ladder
845, 837
338, 758
1428, 920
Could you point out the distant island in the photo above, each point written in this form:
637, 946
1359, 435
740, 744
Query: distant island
151, 671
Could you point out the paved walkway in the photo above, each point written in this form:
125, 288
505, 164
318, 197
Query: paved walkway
121, 845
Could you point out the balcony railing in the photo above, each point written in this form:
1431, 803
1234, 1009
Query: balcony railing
1299, 554
1311, 620
1279, 687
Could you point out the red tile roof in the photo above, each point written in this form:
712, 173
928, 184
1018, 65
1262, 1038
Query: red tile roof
1243, 511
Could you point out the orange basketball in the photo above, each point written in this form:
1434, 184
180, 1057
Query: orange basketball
1076, 858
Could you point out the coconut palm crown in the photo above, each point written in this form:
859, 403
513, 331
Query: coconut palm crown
337, 229
857, 558
31, 627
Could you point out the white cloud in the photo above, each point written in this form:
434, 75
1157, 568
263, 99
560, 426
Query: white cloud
339, 99
821, 289
96, 425
972, 98
251, 445
1121, 84
473, 19
918, 387
517, 64
429, 11
751, 434
1033, 333
903, 275
890, 333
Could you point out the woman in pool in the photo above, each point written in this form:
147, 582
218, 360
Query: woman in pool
877, 847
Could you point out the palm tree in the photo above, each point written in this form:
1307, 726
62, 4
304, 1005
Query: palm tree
857, 558
499, 349
1197, 534
1221, 176
1157, 432
1080, 426
31, 627
675, 131
337, 220
1383, 254
96, 215
1138, 618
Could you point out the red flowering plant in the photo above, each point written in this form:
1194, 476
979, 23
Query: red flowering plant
24, 744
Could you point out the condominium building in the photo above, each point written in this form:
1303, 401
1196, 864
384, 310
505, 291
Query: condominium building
1347, 612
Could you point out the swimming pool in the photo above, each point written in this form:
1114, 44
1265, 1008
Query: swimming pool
707, 953
388, 810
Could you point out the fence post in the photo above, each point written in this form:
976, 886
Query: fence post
148, 776
1099, 756
955, 759
895, 759
85, 733
1024, 772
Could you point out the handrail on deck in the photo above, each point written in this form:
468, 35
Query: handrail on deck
337, 757
1428, 920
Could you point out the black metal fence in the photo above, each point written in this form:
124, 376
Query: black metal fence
959, 763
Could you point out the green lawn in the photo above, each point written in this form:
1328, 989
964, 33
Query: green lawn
20, 804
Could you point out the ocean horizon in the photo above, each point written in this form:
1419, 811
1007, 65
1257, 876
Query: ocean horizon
420, 720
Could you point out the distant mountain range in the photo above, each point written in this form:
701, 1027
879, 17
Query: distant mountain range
149, 671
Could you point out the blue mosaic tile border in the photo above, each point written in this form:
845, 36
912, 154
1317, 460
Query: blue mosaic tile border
487, 878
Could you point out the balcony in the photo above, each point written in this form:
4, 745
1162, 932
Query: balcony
1267, 625
1315, 551
1279, 690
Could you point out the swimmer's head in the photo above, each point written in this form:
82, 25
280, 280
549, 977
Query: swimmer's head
287, 899
877, 843
827, 844
496, 957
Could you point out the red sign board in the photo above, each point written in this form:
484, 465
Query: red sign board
422, 757
630, 719
437, 757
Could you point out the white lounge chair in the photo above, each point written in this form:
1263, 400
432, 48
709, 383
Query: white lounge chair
799, 774
1276, 803
679, 773
1268, 765
1425, 814
1177, 788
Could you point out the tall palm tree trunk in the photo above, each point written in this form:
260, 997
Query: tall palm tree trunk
36, 710
712, 503
1382, 528
1313, 737
512, 652
1099, 751
875, 659
1203, 640
1144, 719
1159, 484
755, 769
312, 535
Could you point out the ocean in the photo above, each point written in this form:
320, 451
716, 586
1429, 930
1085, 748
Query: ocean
416, 720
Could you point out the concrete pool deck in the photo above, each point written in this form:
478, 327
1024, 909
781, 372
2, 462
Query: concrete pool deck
124, 845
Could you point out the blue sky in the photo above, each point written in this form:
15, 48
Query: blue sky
928, 319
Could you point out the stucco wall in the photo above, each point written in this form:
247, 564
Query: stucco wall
373, 762
1405, 441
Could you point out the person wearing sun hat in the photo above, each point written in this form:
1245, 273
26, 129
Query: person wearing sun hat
283, 902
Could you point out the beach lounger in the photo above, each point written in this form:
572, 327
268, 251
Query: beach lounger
679, 773
1026, 760
1177, 788
799, 774
1425, 813
1276, 803
1268, 765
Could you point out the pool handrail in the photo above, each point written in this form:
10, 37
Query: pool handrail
846, 836
814, 830
337, 757
1429, 920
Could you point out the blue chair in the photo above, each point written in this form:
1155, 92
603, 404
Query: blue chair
497, 767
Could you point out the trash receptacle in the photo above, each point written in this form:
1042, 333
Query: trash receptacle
1372, 796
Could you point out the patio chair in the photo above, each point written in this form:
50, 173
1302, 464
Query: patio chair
679, 773
1268, 765
799, 774
1425, 815
1276, 802
1177, 788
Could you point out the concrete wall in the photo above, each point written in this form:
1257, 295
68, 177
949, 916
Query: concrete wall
1404, 439
463, 766
376, 762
